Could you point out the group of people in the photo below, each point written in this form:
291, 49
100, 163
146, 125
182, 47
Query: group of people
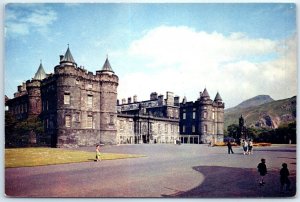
246, 144
284, 173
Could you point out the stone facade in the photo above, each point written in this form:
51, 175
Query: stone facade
203, 118
80, 108
152, 121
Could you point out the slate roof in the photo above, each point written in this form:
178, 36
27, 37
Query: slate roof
40, 74
205, 93
68, 57
106, 66
218, 97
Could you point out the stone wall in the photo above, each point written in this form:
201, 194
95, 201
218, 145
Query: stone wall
136, 129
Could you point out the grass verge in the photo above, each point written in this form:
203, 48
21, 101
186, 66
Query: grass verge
28, 157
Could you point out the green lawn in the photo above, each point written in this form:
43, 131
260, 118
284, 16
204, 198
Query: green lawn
27, 157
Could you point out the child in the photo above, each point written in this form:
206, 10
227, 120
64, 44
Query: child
284, 173
250, 147
98, 153
245, 147
262, 169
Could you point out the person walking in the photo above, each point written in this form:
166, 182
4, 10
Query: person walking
262, 169
229, 145
250, 147
284, 179
245, 147
98, 158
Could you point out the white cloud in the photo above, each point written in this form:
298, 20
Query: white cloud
23, 20
185, 61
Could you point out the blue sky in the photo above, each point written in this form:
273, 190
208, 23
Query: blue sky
237, 49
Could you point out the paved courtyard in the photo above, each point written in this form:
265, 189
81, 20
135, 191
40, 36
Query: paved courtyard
180, 171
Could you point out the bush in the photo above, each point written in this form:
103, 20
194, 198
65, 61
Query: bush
225, 144
262, 144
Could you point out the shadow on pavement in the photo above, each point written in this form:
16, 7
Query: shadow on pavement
230, 182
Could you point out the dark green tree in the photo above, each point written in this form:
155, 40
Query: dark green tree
21, 132
233, 131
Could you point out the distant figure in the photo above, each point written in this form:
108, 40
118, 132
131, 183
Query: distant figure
284, 180
245, 146
262, 169
229, 147
250, 147
98, 158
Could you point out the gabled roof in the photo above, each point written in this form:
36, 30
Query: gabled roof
218, 97
106, 67
40, 74
68, 57
205, 93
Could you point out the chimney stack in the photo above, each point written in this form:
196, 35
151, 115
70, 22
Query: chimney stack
135, 98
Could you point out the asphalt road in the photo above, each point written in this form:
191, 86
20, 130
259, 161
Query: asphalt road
180, 171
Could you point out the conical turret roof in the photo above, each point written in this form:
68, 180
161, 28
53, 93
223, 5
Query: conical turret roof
68, 57
218, 97
106, 67
40, 74
205, 93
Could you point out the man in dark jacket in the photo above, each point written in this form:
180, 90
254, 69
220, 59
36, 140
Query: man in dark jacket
229, 147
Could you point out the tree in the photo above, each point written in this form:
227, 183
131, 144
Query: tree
232, 131
22, 132
10, 123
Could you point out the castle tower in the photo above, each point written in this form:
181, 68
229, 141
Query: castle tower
206, 126
219, 117
70, 106
108, 99
34, 92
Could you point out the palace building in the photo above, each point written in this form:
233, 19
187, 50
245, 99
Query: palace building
80, 108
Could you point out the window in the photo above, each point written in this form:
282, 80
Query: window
194, 115
184, 116
166, 128
213, 115
122, 125
67, 121
176, 113
205, 115
111, 119
172, 128
89, 121
130, 125
193, 129
25, 107
205, 129
67, 98
77, 118
158, 127
183, 129
90, 101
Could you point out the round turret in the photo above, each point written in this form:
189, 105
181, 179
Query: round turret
108, 99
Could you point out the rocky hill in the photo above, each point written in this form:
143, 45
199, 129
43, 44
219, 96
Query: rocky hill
262, 111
